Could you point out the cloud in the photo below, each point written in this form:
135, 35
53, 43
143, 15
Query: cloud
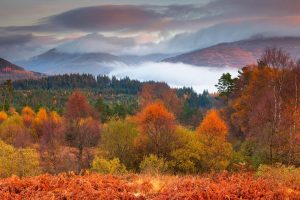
106, 18
175, 74
224, 9
93, 43
120, 18
140, 29
234, 31
17, 47
15, 39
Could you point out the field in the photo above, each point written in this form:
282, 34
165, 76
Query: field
132, 186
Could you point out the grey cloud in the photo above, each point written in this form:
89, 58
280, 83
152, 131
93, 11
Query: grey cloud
106, 18
18, 47
6, 40
95, 42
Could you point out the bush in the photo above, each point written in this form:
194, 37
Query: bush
117, 138
254, 156
153, 165
103, 166
287, 175
20, 162
13, 131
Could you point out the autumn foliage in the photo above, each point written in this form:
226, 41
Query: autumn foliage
157, 126
221, 186
213, 126
248, 148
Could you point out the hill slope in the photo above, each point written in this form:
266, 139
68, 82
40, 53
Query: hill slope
237, 54
14, 72
57, 62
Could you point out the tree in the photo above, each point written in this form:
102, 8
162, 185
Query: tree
264, 106
215, 151
83, 128
51, 144
13, 131
28, 116
213, 126
118, 139
78, 107
104, 109
6, 90
186, 157
38, 123
157, 127
3, 116
152, 92
225, 85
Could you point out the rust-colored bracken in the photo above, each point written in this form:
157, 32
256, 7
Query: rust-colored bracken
94, 186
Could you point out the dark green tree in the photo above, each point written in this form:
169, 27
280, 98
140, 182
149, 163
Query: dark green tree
225, 85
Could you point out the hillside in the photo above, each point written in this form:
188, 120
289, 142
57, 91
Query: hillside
14, 72
237, 54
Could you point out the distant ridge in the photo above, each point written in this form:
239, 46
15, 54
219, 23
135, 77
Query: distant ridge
11, 71
237, 54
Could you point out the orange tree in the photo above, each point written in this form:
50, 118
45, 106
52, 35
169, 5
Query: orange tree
216, 151
157, 130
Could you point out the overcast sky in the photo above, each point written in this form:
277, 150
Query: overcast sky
30, 27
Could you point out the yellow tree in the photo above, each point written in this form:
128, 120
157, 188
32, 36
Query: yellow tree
216, 152
20, 162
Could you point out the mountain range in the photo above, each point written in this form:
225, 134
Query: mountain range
237, 54
55, 62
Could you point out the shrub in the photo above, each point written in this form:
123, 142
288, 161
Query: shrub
153, 165
20, 162
3, 116
117, 139
103, 166
287, 175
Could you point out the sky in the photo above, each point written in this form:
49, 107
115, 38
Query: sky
138, 27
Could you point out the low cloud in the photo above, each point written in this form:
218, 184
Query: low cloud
175, 74
23, 46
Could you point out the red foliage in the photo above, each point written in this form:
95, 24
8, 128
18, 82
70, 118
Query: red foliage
220, 186
227, 186
66, 187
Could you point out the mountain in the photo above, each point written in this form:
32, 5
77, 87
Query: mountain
237, 54
14, 72
56, 62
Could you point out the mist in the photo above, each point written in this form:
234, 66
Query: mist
175, 74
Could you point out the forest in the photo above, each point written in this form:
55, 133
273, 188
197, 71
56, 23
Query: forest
150, 141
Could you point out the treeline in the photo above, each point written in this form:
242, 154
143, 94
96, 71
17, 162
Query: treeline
114, 97
262, 108
83, 81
